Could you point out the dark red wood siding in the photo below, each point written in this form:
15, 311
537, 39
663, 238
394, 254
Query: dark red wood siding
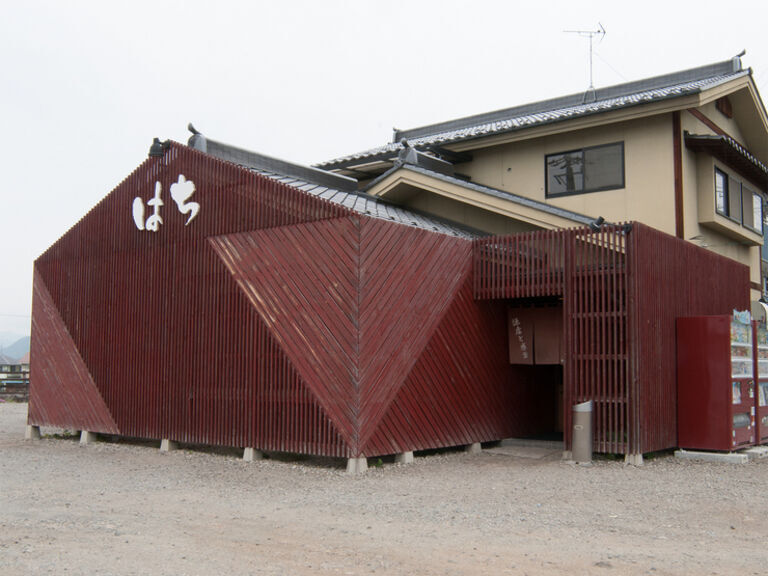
274, 320
281, 321
671, 279
77, 403
622, 289
173, 346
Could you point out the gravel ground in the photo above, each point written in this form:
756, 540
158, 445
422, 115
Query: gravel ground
126, 508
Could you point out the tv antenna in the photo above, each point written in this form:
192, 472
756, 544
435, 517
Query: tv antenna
589, 34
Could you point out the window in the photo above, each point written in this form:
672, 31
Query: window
738, 201
586, 170
753, 209
721, 192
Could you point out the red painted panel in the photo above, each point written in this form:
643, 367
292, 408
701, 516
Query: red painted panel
458, 391
597, 355
408, 279
548, 337
521, 333
64, 393
521, 265
277, 320
709, 396
173, 346
334, 318
671, 279
232, 199
302, 280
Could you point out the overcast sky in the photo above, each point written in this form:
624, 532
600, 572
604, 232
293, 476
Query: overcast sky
87, 85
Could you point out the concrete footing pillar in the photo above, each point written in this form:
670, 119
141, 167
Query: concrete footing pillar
87, 437
251, 454
357, 465
32, 433
475, 448
167, 445
404, 458
633, 459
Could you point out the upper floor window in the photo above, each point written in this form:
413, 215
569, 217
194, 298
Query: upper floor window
738, 201
587, 170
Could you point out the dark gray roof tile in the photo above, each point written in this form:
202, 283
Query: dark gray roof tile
377, 208
554, 110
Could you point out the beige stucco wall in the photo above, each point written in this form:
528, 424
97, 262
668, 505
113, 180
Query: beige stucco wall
471, 216
731, 240
648, 197
711, 230
710, 110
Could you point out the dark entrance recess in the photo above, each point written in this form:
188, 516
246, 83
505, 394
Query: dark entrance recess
536, 357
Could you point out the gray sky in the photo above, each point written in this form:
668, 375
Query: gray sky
87, 85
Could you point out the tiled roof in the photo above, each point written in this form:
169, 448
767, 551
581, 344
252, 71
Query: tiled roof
333, 188
555, 110
728, 150
513, 198
375, 207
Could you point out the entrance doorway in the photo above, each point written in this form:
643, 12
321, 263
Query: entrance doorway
536, 357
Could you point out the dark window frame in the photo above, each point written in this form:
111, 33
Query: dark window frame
740, 188
726, 194
756, 199
584, 190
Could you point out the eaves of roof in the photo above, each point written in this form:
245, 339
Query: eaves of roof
602, 100
732, 153
575, 217
334, 188
375, 207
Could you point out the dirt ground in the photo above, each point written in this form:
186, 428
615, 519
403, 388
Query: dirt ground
126, 508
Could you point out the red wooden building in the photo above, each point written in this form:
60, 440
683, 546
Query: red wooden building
228, 298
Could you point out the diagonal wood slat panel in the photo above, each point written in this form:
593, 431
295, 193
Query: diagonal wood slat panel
173, 346
458, 391
64, 391
408, 279
302, 281
284, 414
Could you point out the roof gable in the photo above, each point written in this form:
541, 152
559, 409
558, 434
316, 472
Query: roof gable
234, 190
335, 189
183, 197
408, 176
650, 90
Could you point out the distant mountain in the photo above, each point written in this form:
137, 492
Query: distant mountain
8, 338
17, 349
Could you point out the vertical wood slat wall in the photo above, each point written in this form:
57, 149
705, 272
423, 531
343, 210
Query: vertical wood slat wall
670, 278
156, 338
274, 320
588, 269
623, 288
172, 345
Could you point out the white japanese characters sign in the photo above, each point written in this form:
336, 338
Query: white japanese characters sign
521, 340
181, 192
